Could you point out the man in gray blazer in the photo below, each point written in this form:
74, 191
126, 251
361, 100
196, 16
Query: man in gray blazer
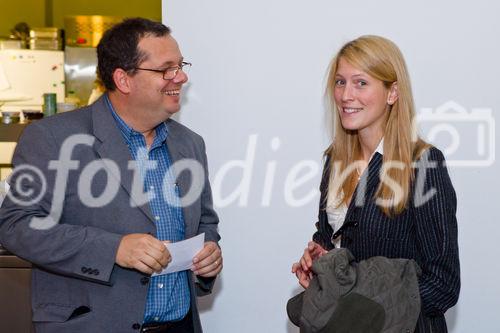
96, 193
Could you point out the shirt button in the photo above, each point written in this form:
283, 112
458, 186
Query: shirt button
157, 218
151, 187
160, 285
157, 318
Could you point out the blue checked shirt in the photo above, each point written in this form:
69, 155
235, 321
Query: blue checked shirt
168, 295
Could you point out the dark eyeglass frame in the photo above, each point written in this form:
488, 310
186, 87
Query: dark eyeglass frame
174, 70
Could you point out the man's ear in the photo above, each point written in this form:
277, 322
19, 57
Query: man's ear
122, 80
393, 95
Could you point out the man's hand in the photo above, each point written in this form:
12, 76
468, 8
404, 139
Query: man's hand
142, 252
302, 269
208, 262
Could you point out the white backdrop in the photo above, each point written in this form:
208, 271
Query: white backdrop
255, 94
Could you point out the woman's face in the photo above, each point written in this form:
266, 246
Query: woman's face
362, 101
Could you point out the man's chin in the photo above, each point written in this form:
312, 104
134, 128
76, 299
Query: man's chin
167, 114
173, 111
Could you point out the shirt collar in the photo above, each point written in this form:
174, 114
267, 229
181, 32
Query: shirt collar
161, 134
128, 132
380, 147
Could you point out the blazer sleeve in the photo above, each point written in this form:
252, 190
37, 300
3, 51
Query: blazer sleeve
435, 205
73, 250
209, 220
208, 224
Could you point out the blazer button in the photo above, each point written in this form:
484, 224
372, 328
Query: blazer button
85, 270
136, 326
95, 272
144, 280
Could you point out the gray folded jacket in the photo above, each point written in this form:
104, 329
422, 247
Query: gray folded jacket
377, 295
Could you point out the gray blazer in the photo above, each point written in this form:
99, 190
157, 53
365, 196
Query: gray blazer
76, 285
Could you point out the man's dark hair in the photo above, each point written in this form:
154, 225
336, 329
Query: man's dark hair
118, 47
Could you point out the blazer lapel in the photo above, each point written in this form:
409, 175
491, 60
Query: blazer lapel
369, 180
178, 151
112, 146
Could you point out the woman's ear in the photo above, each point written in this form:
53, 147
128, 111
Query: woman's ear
393, 95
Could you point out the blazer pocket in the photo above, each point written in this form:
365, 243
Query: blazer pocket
58, 313
59, 301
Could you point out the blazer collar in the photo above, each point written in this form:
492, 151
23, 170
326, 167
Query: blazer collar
176, 142
105, 129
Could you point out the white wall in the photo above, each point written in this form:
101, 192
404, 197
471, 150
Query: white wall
258, 74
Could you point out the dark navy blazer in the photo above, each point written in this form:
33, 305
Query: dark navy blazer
425, 232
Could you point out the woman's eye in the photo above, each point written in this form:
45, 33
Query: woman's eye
339, 82
362, 83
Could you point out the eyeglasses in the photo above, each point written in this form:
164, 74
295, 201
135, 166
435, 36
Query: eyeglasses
170, 72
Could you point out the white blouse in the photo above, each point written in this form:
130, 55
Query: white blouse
336, 215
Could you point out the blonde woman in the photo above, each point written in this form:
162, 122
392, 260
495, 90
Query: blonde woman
384, 191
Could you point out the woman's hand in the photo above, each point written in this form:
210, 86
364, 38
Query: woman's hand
302, 269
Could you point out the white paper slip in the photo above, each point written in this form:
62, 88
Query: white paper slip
182, 254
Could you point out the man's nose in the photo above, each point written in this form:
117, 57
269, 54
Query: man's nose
181, 77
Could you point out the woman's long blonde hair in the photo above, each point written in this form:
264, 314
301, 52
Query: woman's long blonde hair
381, 59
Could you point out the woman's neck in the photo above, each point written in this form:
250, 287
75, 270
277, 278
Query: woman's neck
369, 143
